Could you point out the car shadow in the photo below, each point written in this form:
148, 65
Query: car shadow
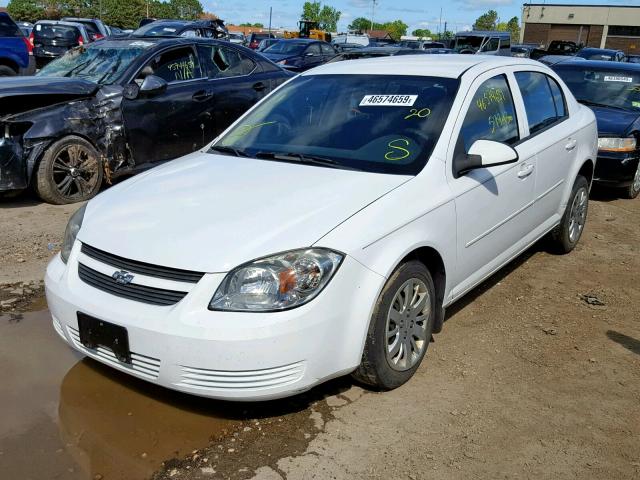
605, 194
630, 343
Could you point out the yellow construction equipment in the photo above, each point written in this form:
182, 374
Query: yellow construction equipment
309, 29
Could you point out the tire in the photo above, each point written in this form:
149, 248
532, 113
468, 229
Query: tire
382, 366
565, 236
6, 71
633, 190
70, 171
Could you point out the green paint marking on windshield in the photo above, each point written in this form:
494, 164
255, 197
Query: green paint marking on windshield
489, 97
421, 113
397, 152
246, 129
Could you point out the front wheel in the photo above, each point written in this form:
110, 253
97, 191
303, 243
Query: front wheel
70, 171
400, 328
7, 71
633, 190
565, 236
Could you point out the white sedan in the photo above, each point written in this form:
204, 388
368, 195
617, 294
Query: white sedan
327, 230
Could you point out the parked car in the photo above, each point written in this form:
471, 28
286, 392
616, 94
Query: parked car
53, 38
266, 43
556, 48
300, 54
253, 42
612, 91
351, 39
605, 54
120, 106
238, 39
483, 42
347, 47
632, 58
420, 44
551, 60
15, 49
522, 51
375, 52
438, 51
182, 28
352, 207
25, 28
96, 29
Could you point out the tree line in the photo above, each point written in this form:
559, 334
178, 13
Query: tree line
117, 13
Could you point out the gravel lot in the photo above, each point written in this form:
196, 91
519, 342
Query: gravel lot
536, 375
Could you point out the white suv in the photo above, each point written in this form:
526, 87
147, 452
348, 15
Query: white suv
327, 230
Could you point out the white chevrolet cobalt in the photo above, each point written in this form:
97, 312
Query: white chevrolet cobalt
327, 230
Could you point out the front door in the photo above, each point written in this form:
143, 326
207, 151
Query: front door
170, 124
493, 204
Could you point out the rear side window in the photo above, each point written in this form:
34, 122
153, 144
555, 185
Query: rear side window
539, 102
491, 115
8, 28
313, 48
226, 62
327, 49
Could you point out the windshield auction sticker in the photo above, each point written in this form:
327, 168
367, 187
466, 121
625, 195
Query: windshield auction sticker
615, 78
388, 100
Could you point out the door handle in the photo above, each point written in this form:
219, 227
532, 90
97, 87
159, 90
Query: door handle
571, 145
258, 87
202, 95
525, 171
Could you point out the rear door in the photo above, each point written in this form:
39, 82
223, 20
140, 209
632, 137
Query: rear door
551, 134
173, 123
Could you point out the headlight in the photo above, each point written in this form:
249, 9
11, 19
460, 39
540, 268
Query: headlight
279, 282
71, 232
617, 144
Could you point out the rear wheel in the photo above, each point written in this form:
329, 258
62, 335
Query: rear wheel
70, 171
565, 236
6, 71
400, 329
633, 190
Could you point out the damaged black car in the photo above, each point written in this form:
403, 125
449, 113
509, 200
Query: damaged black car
121, 106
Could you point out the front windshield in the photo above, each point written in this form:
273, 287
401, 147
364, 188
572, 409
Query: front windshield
613, 88
375, 123
102, 65
468, 43
286, 48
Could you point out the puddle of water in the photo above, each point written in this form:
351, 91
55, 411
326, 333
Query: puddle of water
68, 418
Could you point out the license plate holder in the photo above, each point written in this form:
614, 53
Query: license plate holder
96, 333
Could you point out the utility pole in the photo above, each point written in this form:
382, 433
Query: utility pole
440, 25
373, 12
270, 16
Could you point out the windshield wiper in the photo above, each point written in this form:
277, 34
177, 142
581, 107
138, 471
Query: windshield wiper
228, 151
584, 101
304, 159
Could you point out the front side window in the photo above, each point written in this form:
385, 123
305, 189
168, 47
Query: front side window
491, 115
327, 50
176, 65
539, 103
313, 48
373, 123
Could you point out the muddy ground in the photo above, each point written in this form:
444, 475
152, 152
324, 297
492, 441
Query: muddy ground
536, 375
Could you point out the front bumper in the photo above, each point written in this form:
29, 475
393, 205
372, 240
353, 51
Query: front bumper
225, 355
616, 169
13, 168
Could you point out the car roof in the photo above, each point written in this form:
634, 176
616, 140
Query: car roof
446, 66
603, 50
602, 64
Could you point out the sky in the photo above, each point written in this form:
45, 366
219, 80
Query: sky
459, 14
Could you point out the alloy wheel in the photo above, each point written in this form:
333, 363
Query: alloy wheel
75, 171
636, 179
407, 323
578, 214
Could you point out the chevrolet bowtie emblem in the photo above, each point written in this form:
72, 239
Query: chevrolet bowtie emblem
122, 278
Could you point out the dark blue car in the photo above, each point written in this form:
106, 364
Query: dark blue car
15, 49
300, 54
612, 91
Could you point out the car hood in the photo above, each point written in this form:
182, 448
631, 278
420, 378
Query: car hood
614, 122
212, 213
19, 94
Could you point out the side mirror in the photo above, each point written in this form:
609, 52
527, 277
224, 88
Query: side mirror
483, 154
152, 85
310, 54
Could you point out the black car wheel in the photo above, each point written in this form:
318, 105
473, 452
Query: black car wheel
633, 190
400, 328
7, 71
70, 171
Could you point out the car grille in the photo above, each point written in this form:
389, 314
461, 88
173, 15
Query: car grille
143, 365
142, 268
131, 291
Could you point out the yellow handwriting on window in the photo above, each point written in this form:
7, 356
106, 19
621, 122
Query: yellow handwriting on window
499, 120
489, 97
397, 152
421, 113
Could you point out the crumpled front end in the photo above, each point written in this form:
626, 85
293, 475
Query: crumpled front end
14, 158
